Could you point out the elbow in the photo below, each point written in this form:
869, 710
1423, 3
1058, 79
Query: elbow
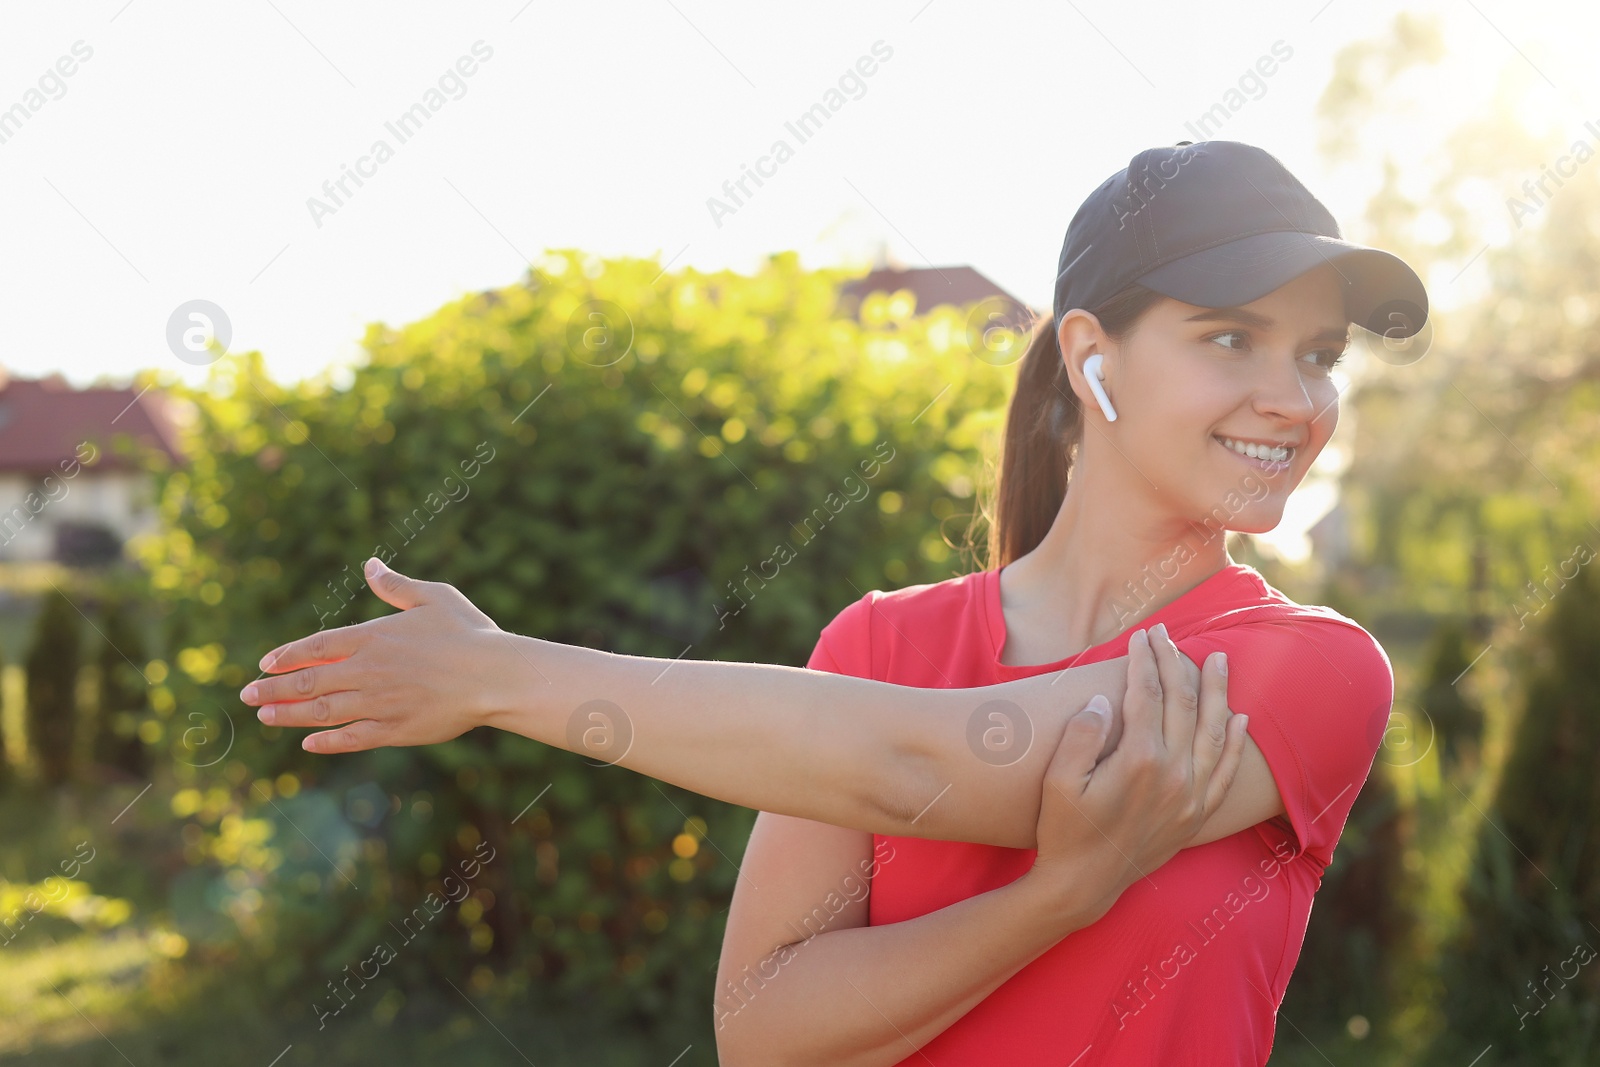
746, 1032
744, 1043
738, 1040
765, 1031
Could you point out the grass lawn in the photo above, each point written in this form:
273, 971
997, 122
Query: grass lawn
115, 999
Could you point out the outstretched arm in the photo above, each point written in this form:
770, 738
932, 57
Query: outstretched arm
851, 752
846, 751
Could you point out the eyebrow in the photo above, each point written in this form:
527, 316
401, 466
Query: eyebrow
1340, 334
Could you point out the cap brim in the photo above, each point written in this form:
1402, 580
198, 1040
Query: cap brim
1382, 293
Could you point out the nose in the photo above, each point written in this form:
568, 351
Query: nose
1281, 394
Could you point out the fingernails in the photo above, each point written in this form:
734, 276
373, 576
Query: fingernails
267, 714
268, 660
1222, 664
1141, 637
1160, 629
250, 693
1098, 704
374, 566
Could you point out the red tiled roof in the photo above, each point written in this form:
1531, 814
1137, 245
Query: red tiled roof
932, 286
44, 421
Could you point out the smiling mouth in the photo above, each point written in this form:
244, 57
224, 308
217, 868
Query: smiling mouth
1263, 457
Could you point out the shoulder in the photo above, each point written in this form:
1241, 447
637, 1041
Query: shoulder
1305, 656
1318, 689
1261, 614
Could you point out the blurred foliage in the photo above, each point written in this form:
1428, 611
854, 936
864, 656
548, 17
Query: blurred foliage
1534, 888
1360, 914
61, 898
122, 696
52, 666
1471, 496
605, 455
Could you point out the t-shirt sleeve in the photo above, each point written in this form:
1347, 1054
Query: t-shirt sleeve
845, 644
1318, 693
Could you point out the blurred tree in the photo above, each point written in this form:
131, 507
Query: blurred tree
1361, 916
6, 773
1471, 488
1457, 721
123, 692
1533, 893
52, 665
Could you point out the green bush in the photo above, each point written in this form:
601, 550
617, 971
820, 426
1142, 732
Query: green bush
52, 666
124, 698
603, 455
1526, 953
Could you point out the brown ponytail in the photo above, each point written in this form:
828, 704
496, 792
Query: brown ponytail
1043, 428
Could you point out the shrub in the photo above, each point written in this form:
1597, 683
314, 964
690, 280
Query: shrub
52, 666
712, 473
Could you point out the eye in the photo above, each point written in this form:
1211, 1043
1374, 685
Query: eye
1327, 358
1240, 334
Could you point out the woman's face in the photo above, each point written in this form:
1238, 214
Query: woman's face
1194, 387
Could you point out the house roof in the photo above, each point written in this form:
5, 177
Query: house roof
44, 421
933, 286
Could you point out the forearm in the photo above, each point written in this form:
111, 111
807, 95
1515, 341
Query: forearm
871, 996
846, 751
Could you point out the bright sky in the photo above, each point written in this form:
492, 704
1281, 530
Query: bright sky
176, 160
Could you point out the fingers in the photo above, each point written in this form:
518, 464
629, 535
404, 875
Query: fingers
330, 709
306, 683
1211, 724
1079, 750
1181, 696
324, 646
1141, 706
357, 737
396, 590
1228, 766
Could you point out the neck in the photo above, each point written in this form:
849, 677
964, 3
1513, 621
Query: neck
1111, 559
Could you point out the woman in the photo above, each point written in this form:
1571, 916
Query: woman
961, 858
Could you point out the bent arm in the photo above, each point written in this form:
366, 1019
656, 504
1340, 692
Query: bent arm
851, 752
871, 996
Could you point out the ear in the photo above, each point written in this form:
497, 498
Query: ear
1079, 336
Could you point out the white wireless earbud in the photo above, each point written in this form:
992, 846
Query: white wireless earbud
1091, 371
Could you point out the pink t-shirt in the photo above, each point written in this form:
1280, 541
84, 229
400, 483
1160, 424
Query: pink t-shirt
1192, 969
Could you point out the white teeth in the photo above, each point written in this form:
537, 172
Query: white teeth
1270, 453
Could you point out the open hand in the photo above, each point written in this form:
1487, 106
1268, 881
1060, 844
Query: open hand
412, 678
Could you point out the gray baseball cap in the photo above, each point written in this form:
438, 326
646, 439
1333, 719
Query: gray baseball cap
1219, 224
